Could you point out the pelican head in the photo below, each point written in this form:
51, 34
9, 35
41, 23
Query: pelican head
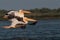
9, 15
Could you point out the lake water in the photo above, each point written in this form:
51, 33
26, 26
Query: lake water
43, 29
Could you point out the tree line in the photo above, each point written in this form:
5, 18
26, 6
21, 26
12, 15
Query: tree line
38, 13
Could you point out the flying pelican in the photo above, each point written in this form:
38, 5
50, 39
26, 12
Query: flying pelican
17, 17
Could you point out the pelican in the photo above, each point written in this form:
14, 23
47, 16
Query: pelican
17, 17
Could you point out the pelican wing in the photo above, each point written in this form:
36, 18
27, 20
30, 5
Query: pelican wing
29, 19
26, 11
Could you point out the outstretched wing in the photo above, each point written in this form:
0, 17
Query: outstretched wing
26, 11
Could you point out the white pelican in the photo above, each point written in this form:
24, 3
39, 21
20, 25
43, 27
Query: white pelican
17, 17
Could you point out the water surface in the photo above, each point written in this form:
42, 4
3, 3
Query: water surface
44, 28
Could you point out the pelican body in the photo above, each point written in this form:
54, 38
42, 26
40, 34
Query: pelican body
17, 17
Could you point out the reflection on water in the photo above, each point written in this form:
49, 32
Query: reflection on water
44, 29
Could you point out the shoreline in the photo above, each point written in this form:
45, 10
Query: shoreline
37, 18
39, 38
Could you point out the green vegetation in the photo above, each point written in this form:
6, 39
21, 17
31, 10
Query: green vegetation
38, 13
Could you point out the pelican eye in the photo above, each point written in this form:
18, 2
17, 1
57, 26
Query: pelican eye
6, 14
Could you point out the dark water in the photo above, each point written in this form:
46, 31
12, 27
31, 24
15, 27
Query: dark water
43, 30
